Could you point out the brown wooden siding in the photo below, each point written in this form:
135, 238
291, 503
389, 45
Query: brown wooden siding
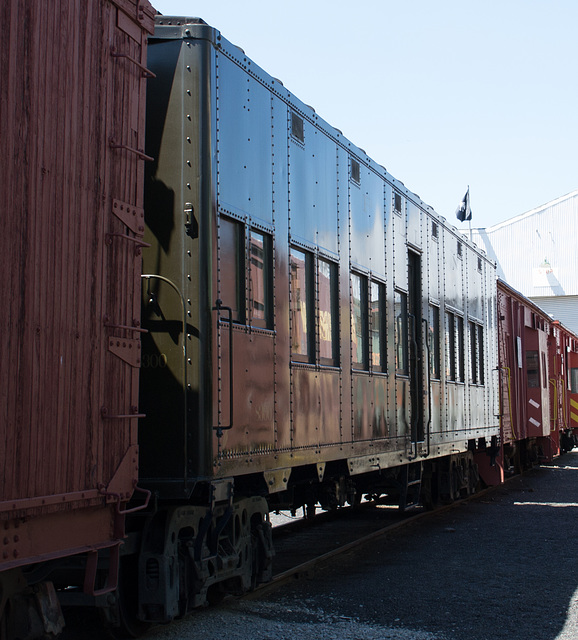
69, 265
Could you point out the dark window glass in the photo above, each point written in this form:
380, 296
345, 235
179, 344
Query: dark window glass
378, 328
328, 313
355, 171
433, 338
359, 330
400, 330
474, 352
481, 377
450, 340
434, 229
232, 267
544, 371
260, 279
397, 202
533, 369
297, 130
302, 342
574, 380
460, 348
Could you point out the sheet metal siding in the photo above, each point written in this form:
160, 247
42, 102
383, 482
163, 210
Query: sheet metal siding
301, 191
64, 101
536, 252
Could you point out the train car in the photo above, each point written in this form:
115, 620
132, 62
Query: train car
72, 108
563, 370
536, 357
316, 332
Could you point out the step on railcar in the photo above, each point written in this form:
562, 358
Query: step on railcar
315, 331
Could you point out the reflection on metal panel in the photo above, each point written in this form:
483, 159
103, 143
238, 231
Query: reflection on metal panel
244, 145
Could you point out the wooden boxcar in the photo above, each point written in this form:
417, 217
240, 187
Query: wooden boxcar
72, 116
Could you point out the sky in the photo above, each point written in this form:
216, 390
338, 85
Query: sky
445, 94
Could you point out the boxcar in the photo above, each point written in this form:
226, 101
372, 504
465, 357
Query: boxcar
315, 330
72, 102
563, 364
537, 360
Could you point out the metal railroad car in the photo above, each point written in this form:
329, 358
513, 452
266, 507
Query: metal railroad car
537, 357
72, 102
315, 331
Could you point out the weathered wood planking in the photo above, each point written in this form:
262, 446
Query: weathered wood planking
71, 125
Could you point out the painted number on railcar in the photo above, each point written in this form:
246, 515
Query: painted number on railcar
154, 361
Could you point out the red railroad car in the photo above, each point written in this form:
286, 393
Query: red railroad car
563, 365
535, 355
72, 102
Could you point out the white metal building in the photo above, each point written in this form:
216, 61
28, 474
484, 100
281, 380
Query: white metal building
537, 254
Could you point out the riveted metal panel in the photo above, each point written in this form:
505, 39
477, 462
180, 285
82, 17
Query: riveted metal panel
244, 144
329, 199
313, 187
367, 233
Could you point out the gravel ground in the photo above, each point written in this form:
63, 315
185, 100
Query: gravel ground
502, 566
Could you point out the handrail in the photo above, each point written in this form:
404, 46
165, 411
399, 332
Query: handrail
219, 306
555, 418
427, 366
148, 276
413, 386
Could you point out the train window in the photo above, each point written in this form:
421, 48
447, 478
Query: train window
533, 369
434, 230
232, 266
480, 265
460, 250
433, 341
544, 372
397, 203
474, 352
355, 171
450, 337
481, 377
302, 327
297, 129
378, 327
460, 349
574, 380
359, 330
328, 313
400, 331
260, 279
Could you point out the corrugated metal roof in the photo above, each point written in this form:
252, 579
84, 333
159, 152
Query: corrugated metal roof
562, 308
536, 251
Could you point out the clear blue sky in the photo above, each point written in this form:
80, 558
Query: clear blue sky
444, 94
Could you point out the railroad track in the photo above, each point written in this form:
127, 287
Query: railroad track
307, 545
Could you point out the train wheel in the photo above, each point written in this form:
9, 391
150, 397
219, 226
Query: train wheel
473, 478
121, 619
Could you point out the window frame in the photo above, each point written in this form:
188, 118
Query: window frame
267, 272
381, 330
360, 321
404, 343
433, 342
308, 299
333, 312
